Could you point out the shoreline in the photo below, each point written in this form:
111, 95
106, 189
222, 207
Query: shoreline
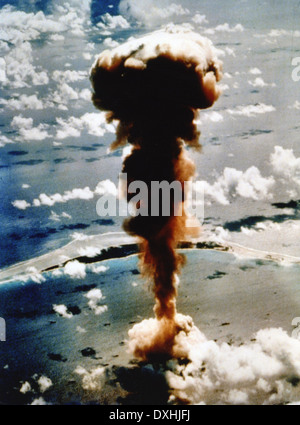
119, 245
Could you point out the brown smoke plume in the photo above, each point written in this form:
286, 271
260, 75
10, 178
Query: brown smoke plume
154, 87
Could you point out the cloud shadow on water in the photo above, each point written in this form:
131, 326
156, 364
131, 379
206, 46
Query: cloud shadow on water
145, 384
251, 221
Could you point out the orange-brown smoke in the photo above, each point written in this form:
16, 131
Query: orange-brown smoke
154, 87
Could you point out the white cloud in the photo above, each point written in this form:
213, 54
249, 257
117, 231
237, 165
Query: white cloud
89, 251
74, 15
216, 234
230, 51
98, 269
286, 164
25, 388
226, 28
33, 274
56, 37
94, 296
4, 140
259, 82
85, 94
76, 236
18, 26
255, 71
26, 129
24, 102
39, 402
92, 380
87, 56
151, 12
48, 200
110, 43
237, 397
21, 204
251, 110
64, 94
252, 185
19, 69
277, 32
62, 310
70, 128
199, 19
233, 183
106, 187
76, 193
68, 76
227, 75
40, 78
113, 22
126, 151
2, 70
90, 46
271, 232
54, 216
35, 133
21, 122
44, 383
4, 46
256, 372
213, 116
65, 215
224, 87
57, 217
56, 272
94, 123
75, 269
296, 105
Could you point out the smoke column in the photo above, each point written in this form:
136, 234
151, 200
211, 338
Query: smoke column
154, 86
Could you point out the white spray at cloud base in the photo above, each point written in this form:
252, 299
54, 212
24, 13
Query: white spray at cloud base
263, 371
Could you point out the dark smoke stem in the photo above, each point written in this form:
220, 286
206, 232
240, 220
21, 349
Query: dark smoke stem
154, 88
